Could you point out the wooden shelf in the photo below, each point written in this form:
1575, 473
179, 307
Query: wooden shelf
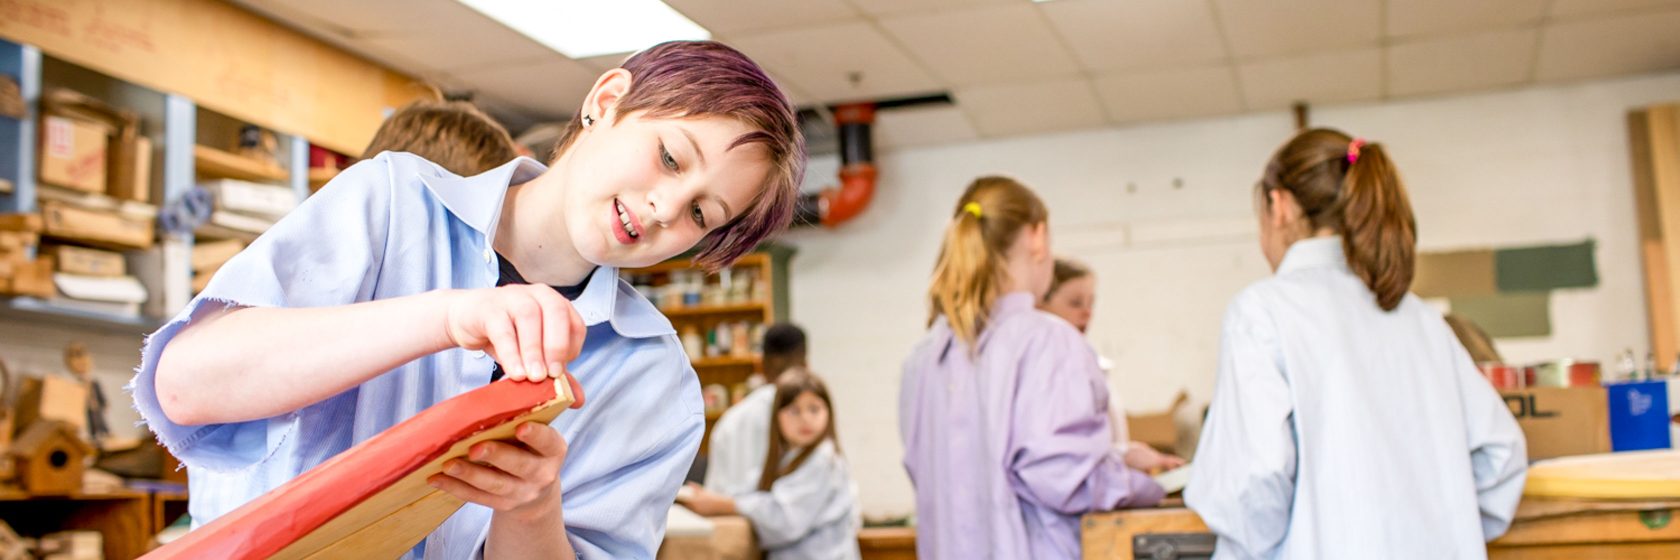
726, 361
33, 309
728, 309
747, 260
122, 517
319, 177
211, 161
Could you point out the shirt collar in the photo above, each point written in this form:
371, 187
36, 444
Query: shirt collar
1314, 252
477, 201
1012, 302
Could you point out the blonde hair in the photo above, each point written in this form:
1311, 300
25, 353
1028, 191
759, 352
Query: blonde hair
970, 271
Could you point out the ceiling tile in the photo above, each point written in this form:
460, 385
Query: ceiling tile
1138, 33
888, 7
821, 61
1035, 107
1178, 93
1607, 47
1408, 18
987, 45
1320, 78
363, 17
735, 16
553, 89
491, 44
921, 126
1462, 63
1265, 28
1577, 8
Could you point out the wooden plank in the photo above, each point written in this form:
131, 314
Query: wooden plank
1631, 551
1108, 535
372, 501
218, 163
223, 57
1654, 146
887, 543
1596, 527
1641, 475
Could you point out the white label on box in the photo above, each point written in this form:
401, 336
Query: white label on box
60, 138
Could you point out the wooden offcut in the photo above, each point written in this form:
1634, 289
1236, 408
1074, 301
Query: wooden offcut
1654, 144
373, 500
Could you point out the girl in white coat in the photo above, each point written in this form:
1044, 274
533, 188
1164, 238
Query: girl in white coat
805, 507
1347, 420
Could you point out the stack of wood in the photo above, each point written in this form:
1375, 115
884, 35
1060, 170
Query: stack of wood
21, 273
208, 256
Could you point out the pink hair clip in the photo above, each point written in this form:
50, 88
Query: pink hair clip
1353, 150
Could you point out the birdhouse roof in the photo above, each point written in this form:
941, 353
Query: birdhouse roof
43, 433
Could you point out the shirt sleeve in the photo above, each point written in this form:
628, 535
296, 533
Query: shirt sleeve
1242, 482
1498, 450
1062, 454
791, 508
323, 253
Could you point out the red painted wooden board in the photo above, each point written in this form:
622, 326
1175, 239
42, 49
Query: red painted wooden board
269, 524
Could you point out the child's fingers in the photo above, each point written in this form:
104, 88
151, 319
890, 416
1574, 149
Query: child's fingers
577, 332
488, 479
555, 330
467, 493
514, 460
527, 318
543, 439
577, 390
499, 330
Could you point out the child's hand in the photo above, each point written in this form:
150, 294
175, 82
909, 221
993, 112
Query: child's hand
520, 477
530, 329
705, 502
1141, 456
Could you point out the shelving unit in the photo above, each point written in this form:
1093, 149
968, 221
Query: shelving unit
765, 304
123, 518
219, 163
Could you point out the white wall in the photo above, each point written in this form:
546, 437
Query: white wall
1534, 166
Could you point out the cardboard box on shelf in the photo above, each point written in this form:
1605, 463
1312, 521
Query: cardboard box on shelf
85, 261
257, 199
209, 255
29, 278
73, 153
1560, 421
98, 228
131, 168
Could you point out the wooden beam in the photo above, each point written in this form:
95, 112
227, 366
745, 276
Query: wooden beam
1654, 146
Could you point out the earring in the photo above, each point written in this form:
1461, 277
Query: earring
588, 120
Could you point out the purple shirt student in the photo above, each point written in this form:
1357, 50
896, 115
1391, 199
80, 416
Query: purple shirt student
1009, 446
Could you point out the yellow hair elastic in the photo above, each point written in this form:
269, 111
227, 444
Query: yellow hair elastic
972, 208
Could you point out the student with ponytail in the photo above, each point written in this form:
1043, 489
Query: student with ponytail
1003, 410
1347, 420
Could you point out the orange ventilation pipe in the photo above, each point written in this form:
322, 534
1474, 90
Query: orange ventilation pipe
836, 205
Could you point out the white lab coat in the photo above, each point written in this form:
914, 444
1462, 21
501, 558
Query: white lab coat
808, 514
740, 438
1338, 430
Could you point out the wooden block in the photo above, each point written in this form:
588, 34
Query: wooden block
52, 397
18, 241
21, 222
1105, 535
90, 262
74, 545
372, 501
101, 229
208, 255
30, 278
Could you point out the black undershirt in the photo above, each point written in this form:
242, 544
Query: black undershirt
510, 275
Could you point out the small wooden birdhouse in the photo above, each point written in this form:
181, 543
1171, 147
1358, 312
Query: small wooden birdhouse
49, 457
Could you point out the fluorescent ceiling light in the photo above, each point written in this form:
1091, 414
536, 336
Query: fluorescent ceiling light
585, 28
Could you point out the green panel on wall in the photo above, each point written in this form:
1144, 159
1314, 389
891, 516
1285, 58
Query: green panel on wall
1533, 269
1508, 315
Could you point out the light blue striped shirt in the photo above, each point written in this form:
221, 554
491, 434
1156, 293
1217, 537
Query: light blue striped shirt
399, 225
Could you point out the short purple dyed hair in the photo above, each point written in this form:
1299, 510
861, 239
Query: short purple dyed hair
702, 78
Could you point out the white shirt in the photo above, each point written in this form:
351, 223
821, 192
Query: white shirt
740, 438
1338, 430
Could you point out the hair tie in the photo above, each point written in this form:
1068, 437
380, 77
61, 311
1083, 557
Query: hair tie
972, 208
1353, 150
